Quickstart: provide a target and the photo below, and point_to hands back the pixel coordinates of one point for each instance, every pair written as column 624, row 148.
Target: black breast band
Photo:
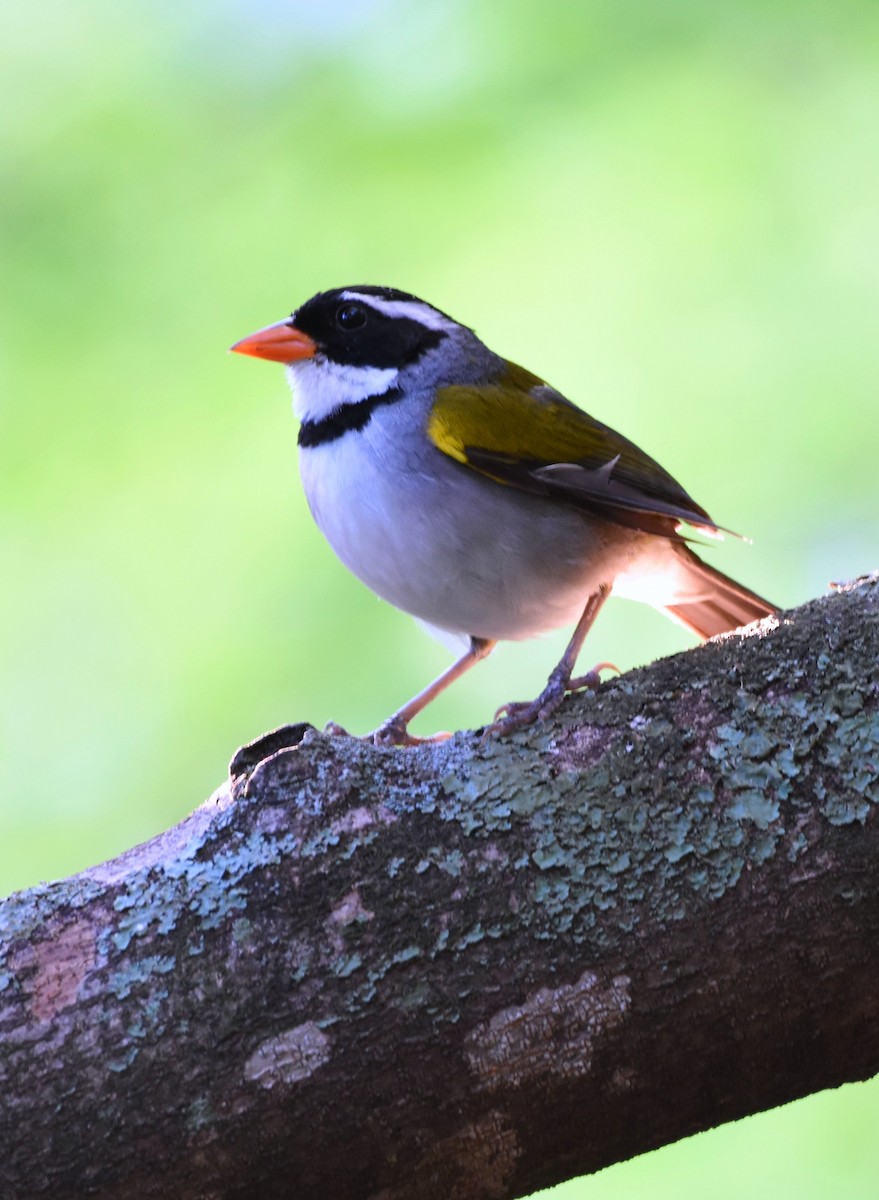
column 349, row 416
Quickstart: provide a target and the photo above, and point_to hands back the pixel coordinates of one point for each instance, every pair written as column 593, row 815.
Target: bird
column 466, row 491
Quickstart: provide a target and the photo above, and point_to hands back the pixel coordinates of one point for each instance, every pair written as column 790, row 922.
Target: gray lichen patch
column 554, row 1032
column 288, row 1057
column 209, row 888
column 133, row 972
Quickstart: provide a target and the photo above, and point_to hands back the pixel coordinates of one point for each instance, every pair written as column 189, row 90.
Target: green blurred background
column 670, row 210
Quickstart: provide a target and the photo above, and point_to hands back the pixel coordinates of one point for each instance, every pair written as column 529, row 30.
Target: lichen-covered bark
column 473, row 969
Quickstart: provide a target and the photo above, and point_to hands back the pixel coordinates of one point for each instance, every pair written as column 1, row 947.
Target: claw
column 518, row 714
column 592, row 678
column 510, row 709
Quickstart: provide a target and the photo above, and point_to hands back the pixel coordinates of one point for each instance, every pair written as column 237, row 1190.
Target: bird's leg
column 394, row 731
column 513, row 716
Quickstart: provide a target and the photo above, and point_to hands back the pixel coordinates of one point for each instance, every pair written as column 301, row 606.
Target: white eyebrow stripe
column 415, row 310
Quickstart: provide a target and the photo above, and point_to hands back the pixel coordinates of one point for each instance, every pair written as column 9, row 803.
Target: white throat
column 321, row 387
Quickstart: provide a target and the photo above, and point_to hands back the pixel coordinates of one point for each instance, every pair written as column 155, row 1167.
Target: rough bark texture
column 474, row 969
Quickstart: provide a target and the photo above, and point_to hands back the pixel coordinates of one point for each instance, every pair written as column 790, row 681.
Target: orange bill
column 281, row 342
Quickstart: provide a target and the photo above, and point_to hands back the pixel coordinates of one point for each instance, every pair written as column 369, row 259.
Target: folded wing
column 523, row 434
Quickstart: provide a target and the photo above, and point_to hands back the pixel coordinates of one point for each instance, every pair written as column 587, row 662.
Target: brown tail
column 712, row 602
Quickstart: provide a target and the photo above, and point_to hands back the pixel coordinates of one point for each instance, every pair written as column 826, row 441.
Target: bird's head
column 348, row 344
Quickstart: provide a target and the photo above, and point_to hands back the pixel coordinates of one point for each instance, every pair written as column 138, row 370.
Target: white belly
column 456, row 550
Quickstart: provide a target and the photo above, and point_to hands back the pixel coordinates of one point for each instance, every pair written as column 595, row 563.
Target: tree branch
column 474, row 969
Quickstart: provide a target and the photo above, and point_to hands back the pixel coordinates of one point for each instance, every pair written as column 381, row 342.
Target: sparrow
column 465, row 490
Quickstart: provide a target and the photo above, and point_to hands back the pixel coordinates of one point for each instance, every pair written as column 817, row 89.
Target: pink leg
column 394, row 732
column 513, row 716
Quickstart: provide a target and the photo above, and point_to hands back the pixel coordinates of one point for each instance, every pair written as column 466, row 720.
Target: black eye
column 350, row 316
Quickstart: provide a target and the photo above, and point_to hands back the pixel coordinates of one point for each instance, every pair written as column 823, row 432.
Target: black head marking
column 352, row 333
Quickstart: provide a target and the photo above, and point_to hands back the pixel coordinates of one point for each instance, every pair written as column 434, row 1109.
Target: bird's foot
column 394, row 733
column 517, row 714
column 592, row 679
